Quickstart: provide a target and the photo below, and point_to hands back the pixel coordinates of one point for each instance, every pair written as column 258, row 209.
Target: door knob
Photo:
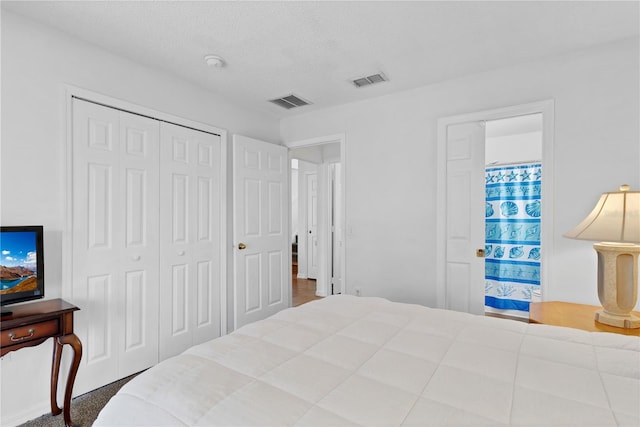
column 242, row 246
column 480, row 253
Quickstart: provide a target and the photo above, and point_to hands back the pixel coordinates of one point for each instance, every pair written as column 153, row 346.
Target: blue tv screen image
column 19, row 262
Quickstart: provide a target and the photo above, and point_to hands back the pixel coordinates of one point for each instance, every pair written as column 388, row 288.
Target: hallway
column 302, row 290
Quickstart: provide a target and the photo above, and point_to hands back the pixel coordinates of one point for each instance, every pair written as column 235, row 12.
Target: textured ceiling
column 313, row 48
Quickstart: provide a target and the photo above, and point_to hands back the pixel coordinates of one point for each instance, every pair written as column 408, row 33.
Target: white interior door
column 190, row 235
column 115, row 232
column 464, row 271
column 312, row 225
column 260, row 229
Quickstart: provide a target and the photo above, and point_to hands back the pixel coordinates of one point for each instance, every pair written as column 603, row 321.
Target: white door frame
column 70, row 92
column 546, row 107
column 326, row 266
column 335, row 241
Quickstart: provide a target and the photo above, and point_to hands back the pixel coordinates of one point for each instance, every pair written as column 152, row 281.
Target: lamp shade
column 616, row 218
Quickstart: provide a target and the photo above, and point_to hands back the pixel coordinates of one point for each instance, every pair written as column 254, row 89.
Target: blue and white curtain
column 512, row 235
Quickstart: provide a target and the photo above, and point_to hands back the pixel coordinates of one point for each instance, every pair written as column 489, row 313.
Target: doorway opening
column 304, row 191
column 513, row 206
column 462, row 205
column 317, row 213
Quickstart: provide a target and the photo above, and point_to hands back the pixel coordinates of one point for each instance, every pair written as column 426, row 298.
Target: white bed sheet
column 345, row 360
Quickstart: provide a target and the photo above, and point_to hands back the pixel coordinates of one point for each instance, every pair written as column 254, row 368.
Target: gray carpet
column 84, row 408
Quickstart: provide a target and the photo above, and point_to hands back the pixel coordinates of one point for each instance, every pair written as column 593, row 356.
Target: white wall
column 391, row 145
column 513, row 148
column 36, row 63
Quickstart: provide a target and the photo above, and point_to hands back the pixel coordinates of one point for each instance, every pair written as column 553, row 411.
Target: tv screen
column 21, row 264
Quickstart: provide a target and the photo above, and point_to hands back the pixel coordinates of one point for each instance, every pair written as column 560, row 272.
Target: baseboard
column 27, row 415
column 507, row 314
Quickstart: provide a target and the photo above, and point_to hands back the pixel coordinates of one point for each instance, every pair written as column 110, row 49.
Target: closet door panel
column 96, row 146
column 206, row 237
column 115, row 244
column 189, row 219
column 138, row 294
column 175, row 250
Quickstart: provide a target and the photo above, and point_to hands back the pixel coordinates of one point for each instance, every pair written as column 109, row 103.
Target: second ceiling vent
column 369, row 80
column 291, row 101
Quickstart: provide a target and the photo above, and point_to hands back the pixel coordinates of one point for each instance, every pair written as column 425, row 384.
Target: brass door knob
column 480, row 253
column 242, row 246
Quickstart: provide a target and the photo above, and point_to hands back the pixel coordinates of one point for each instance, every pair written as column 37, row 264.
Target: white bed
column 345, row 361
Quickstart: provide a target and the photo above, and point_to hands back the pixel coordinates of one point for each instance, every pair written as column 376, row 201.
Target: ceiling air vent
column 290, row 101
column 369, row 80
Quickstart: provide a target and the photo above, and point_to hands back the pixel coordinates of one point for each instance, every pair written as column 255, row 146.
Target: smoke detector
column 214, row 61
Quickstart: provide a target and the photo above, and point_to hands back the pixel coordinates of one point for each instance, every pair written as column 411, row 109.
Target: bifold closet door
column 190, row 204
column 115, row 242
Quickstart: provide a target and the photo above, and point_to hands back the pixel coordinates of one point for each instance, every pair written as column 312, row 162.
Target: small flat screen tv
column 21, row 264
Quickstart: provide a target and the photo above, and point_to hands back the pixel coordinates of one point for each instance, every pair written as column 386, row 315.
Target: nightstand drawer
column 29, row 332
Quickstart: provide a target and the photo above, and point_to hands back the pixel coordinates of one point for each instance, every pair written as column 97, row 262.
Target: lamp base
column 626, row 321
column 617, row 284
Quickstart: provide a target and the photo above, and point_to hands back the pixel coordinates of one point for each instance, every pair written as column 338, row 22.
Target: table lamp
column 615, row 224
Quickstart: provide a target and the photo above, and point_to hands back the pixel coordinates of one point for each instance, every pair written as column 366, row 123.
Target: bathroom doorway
column 513, row 205
column 461, row 205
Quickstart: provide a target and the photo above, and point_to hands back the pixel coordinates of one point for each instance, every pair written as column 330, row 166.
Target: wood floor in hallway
column 302, row 290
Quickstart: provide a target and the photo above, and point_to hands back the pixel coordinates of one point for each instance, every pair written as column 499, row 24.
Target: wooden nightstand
column 571, row 315
column 32, row 324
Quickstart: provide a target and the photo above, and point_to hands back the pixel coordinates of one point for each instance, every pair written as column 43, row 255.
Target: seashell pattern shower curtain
column 512, row 235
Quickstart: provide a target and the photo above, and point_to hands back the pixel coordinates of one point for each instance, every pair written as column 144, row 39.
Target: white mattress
column 345, row 361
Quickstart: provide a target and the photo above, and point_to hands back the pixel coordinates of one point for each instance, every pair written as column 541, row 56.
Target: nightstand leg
column 55, row 371
column 75, row 343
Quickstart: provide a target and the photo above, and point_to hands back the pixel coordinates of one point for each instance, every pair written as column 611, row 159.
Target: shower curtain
column 512, row 235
